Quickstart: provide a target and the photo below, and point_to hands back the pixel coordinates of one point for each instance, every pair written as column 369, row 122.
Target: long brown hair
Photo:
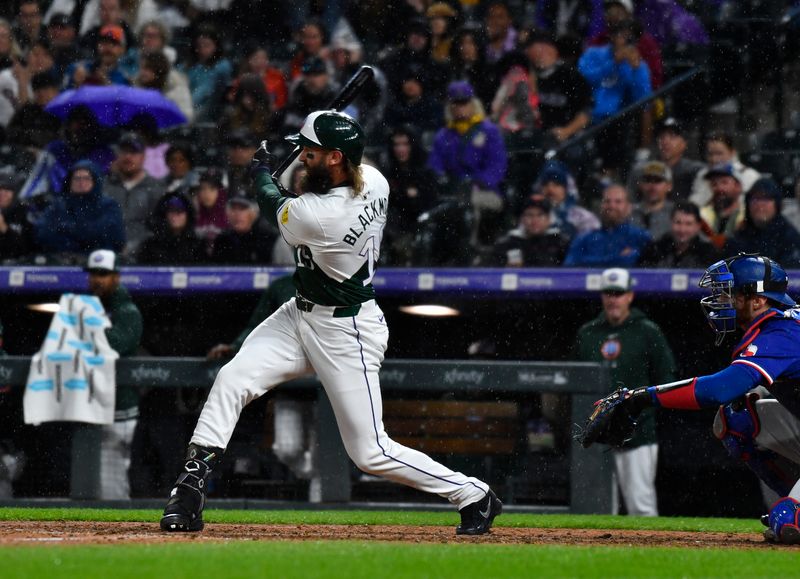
column 355, row 176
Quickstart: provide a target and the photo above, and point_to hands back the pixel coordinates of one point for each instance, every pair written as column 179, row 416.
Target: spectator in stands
column 15, row 82
column 764, row 230
column 242, row 144
column 468, row 62
column 469, row 155
column 654, row 210
column 28, row 27
column 9, row 49
column 312, row 45
column 153, row 37
column 311, row 91
column 413, row 189
column 242, row 242
column 413, row 58
column 124, row 336
column 720, row 149
column 209, row 74
column 565, row 98
column 155, row 146
column 618, row 242
column 83, row 138
column 369, row 107
column 98, row 14
column 104, row 68
column 441, row 20
column 723, row 215
column 671, row 148
column 32, row 126
column 210, row 200
column 256, row 61
column 636, row 352
column 62, row 34
column 173, row 241
column 415, row 106
column 81, row 219
column 155, row 72
column 136, row 192
column 559, row 188
column 618, row 77
column 560, row 17
column 682, row 246
column 621, row 11
column 500, row 32
column 515, row 106
column 250, row 110
column 180, row 162
column 15, row 229
column 533, row 243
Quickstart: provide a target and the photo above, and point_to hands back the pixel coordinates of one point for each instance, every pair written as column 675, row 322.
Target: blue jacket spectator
column 617, row 243
column 81, row 219
column 615, row 82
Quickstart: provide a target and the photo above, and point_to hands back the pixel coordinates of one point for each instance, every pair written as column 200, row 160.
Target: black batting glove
column 262, row 160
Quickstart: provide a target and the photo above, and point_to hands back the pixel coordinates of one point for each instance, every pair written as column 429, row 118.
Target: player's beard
column 316, row 179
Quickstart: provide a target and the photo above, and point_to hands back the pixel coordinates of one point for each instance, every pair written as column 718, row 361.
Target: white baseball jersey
column 337, row 239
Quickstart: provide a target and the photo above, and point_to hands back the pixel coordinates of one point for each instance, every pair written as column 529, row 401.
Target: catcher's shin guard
column 736, row 426
column 783, row 522
column 184, row 510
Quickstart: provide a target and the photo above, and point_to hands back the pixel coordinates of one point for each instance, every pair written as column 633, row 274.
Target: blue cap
column 460, row 91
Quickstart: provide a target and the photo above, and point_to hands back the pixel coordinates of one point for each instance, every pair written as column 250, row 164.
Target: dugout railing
column 590, row 474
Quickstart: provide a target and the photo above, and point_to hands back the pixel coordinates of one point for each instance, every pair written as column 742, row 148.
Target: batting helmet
column 332, row 130
column 748, row 274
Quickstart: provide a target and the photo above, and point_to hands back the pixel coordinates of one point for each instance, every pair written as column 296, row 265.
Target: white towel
column 73, row 375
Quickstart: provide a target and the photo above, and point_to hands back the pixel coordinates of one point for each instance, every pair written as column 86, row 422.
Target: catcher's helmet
column 749, row 274
column 332, row 130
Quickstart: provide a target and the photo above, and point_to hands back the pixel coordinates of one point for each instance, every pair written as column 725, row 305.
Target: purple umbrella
column 116, row 105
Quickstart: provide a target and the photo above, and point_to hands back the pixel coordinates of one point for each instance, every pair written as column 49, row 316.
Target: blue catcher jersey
column 771, row 346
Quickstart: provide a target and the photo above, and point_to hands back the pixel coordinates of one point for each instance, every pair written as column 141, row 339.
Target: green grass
column 356, row 560
column 376, row 560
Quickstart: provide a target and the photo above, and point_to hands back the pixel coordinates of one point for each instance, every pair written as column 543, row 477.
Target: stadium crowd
column 467, row 100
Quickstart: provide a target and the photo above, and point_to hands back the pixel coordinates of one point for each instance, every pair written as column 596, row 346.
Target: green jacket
column 124, row 337
column 278, row 293
column 637, row 354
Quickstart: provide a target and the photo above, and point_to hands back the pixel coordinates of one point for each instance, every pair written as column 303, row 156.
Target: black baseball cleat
column 765, row 520
column 477, row 518
column 184, row 510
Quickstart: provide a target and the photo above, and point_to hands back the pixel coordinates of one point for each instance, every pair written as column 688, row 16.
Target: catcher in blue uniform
column 747, row 292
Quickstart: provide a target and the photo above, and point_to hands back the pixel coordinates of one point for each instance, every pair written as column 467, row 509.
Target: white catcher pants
column 346, row 354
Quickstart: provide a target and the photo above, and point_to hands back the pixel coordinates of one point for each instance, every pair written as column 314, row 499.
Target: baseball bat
column 346, row 96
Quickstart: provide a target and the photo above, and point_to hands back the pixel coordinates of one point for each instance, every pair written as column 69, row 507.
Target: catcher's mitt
column 614, row 418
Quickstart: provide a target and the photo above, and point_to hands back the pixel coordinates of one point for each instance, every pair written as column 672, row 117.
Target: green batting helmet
column 332, row 130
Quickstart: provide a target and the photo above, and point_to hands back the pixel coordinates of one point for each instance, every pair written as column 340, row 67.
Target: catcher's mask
column 748, row 274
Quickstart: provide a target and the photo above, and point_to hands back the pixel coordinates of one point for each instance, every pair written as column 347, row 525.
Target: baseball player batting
column 332, row 327
column 748, row 291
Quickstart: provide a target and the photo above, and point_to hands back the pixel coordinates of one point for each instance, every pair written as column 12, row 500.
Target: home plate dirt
column 82, row 532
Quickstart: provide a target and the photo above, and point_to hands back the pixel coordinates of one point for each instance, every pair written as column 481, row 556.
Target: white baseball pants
column 636, row 476
column 115, row 459
column 346, row 353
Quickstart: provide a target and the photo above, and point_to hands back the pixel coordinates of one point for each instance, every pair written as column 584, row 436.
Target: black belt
column 338, row 312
